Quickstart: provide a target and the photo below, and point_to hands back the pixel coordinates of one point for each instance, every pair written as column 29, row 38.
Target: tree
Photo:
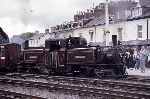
column 27, row 35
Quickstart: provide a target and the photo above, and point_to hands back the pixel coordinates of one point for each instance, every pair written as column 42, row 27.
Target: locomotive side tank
column 35, row 60
column 81, row 56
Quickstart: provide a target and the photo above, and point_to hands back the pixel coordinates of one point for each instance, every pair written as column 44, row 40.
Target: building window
column 80, row 35
column 140, row 11
column 31, row 42
column 120, row 33
column 118, row 15
column 104, row 36
column 128, row 13
column 139, row 31
column 91, row 32
column 136, row 12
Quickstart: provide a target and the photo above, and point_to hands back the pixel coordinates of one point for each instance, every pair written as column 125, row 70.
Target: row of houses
column 129, row 20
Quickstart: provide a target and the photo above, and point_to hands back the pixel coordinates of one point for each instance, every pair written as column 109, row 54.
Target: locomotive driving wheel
column 98, row 73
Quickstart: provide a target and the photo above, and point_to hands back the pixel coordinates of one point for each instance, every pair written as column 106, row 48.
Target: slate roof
column 96, row 21
column 145, row 3
column 123, row 4
column 115, row 6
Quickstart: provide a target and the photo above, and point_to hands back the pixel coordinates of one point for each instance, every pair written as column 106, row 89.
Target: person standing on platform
column 127, row 54
column 131, row 58
column 143, row 56
column 137, row 58
column 148, row 58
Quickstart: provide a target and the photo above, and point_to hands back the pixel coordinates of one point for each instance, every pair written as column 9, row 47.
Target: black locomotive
column 71, row 57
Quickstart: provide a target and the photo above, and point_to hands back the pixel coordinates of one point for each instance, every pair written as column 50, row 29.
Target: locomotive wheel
column 44, row 70
column 98, row 73
column 83, row 72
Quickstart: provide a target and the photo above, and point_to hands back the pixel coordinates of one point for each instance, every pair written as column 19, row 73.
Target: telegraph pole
column 107, row 32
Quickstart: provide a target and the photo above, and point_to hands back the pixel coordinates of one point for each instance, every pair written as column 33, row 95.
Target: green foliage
column 27, row 35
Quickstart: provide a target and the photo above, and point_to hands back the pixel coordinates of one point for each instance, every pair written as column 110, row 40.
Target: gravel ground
column 138, row 72
column 44, row 93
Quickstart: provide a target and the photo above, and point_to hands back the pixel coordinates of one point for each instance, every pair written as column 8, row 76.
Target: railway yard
column 33, row 86
column 83, row 72
column 103, row 53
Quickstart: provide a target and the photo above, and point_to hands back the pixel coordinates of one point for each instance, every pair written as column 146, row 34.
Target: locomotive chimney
column 46, row 30
column 114, row 40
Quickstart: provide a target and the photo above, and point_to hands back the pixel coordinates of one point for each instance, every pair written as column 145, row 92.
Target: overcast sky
column 19, row 16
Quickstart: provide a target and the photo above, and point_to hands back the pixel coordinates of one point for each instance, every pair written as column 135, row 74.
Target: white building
column 39, row 39
column 136, row 29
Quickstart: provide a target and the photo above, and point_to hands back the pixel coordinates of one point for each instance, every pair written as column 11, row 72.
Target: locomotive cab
column 54, row 44
column 76, row 42
column 110, row 62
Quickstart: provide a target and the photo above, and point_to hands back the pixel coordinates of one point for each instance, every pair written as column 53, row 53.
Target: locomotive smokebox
column 114, row 40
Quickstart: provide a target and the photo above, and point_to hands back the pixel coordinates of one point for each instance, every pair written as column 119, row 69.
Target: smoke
column 25, row 11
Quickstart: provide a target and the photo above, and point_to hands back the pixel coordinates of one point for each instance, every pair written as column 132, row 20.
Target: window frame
column 91, row 33
column 139, row 31
column 120, row 33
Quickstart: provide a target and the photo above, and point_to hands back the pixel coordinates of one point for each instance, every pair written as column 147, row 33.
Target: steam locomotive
column 71, row 57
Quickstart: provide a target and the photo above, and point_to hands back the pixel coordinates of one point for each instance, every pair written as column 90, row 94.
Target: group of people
column 138, row 58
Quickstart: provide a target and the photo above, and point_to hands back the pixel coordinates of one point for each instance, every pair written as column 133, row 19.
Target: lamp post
column 107, row 32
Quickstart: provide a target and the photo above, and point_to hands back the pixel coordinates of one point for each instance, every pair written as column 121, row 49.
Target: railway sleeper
column 91, row 88
column 14, row 95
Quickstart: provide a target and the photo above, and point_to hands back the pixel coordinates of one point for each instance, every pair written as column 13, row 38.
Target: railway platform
column 138, row 72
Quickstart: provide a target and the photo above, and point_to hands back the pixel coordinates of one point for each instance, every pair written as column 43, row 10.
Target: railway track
column 98, row 91
column 135, row 78
column 139, row 79
column 14, row 95
column 117, row 89
column 130, row 84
